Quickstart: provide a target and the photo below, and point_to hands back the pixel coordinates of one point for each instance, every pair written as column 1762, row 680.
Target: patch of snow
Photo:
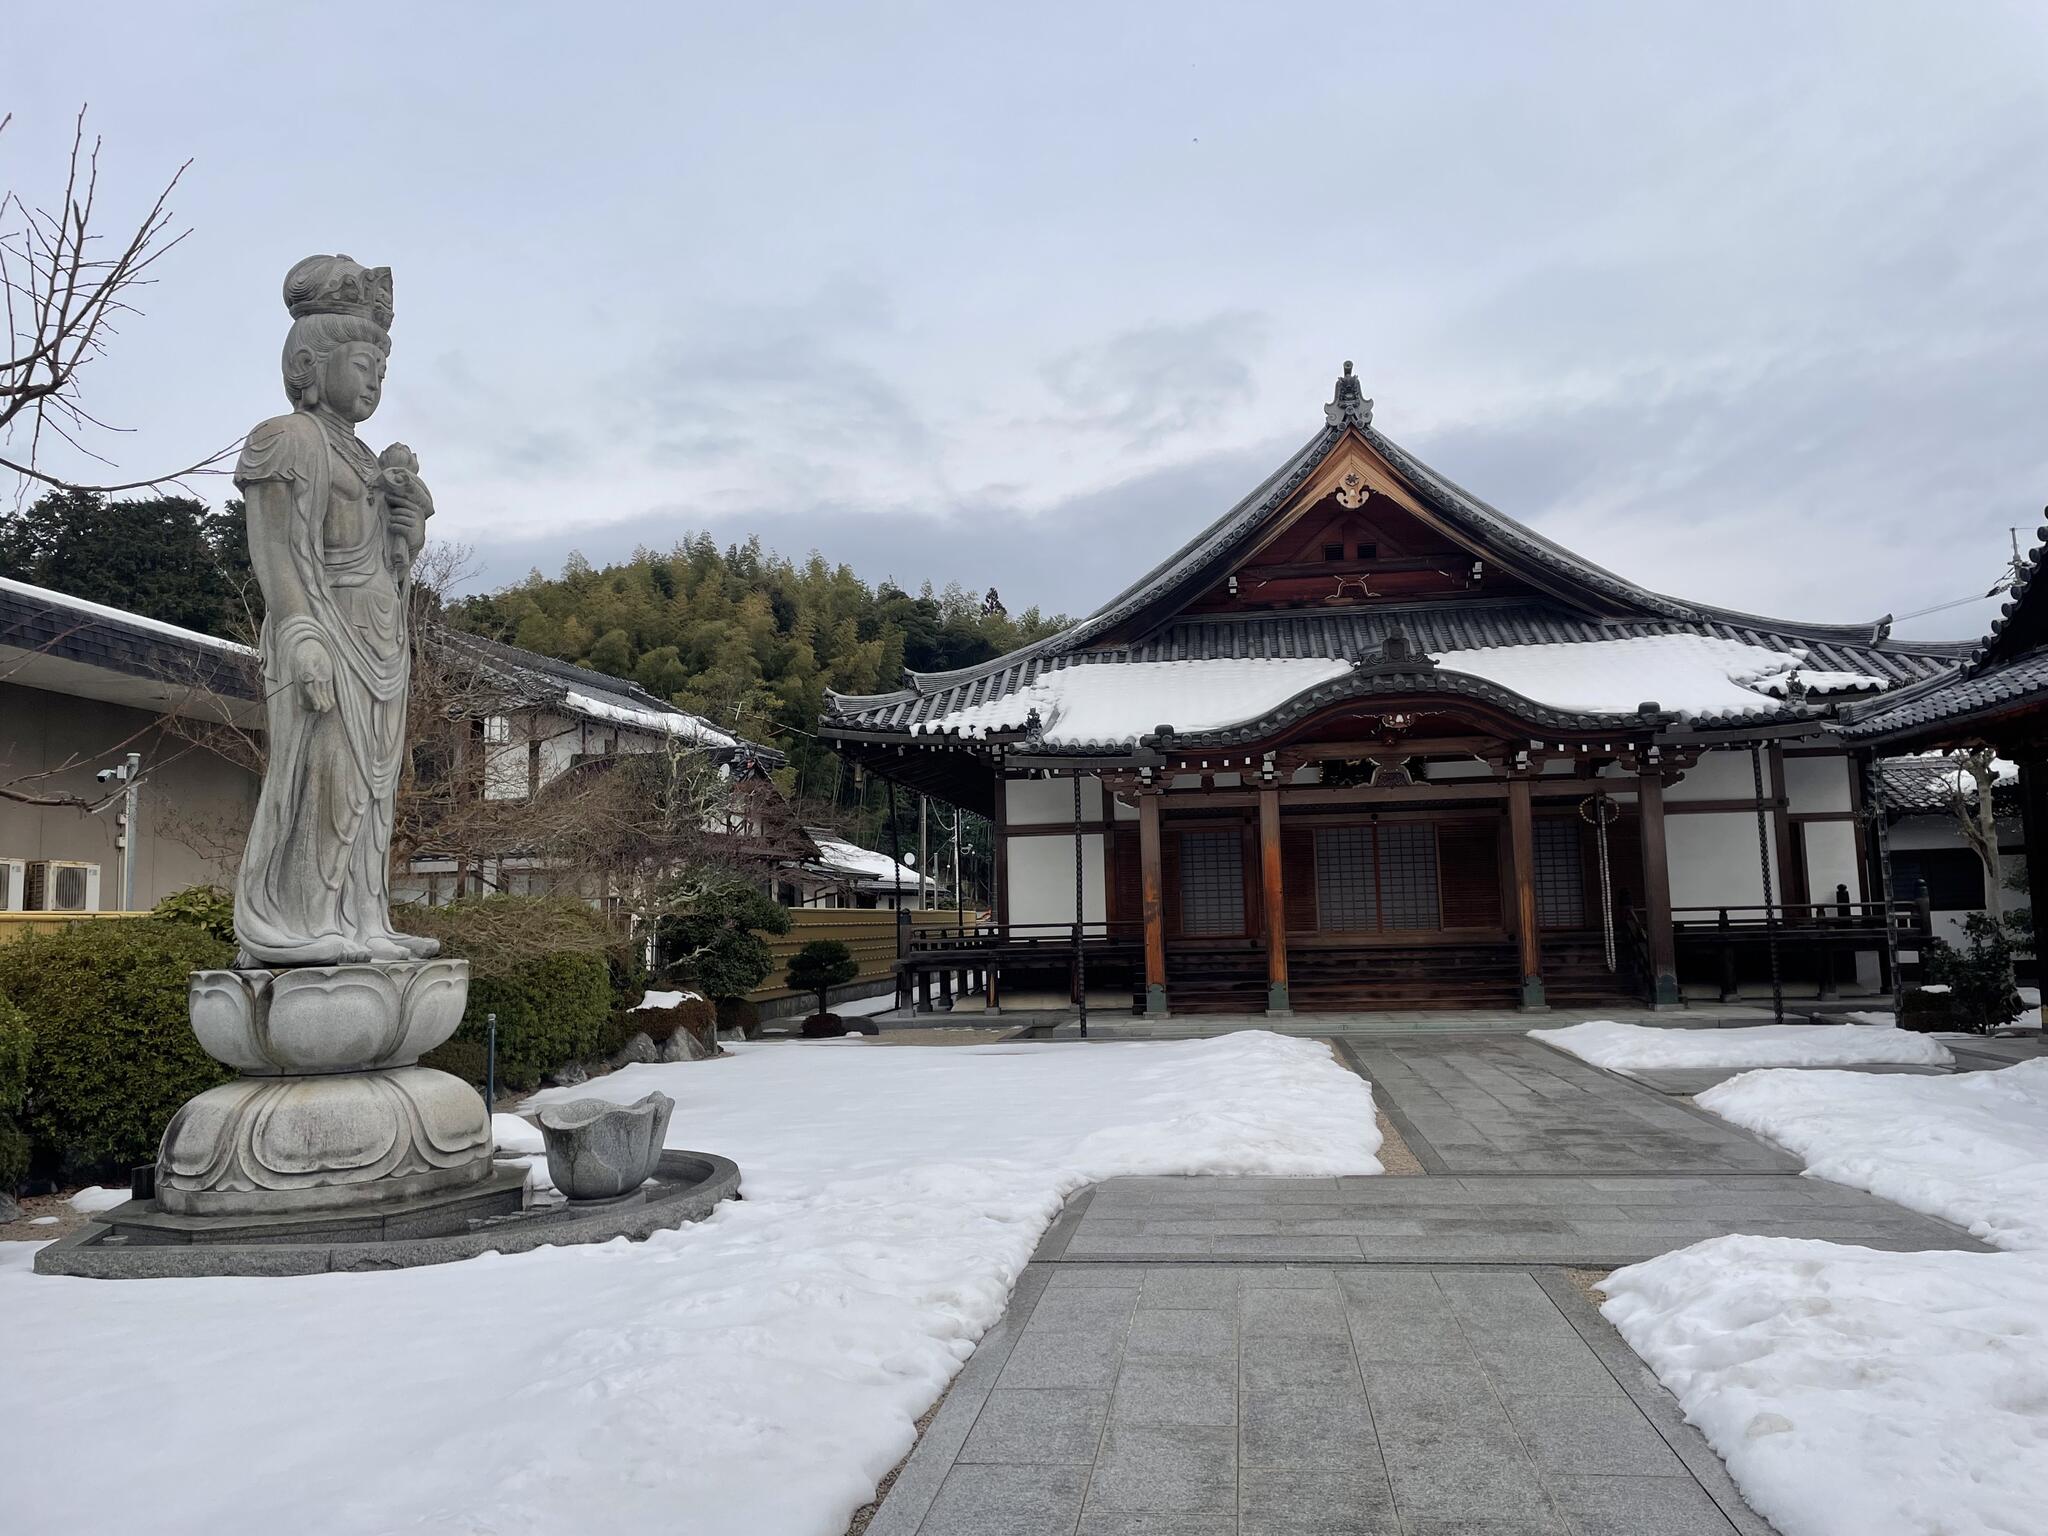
column 1698, row 676
column 1935, row 986
column 1971, row 1148
column 1647, row 1048
column 1121, row 701
column 97, row 1197
column 42, row 1221
column 847, row 858
column 517, row 1136
column 662, row 722
column 667, row 1000
column 756, row 1372
column 1823, row 682
column 1853, row 1392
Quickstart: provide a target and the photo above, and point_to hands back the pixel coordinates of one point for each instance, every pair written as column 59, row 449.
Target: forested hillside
column 748, row 638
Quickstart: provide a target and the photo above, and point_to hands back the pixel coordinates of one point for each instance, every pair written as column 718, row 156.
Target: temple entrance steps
column 1346, row 978
column 1575, row 973
column 1352, row 978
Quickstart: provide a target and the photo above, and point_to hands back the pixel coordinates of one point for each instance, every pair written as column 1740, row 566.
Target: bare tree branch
column 65, row 288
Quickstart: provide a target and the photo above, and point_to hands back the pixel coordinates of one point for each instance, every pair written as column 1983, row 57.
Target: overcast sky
column 1748, row 302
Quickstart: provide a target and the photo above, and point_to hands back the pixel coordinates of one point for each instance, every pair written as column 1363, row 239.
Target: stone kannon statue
column 328, row 1008
column 333, row 532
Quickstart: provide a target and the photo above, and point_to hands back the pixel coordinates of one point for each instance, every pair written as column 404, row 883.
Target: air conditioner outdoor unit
column 62, row 885
column 13, row 880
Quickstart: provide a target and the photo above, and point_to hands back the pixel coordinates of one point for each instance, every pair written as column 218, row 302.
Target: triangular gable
column 1358, row 532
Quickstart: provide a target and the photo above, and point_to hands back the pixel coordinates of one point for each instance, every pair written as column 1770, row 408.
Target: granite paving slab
column 1596, row 1219
column 1500, row 1104
column 1308, row 1400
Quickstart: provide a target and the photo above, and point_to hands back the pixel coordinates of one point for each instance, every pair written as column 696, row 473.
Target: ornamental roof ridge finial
column 1348, row 406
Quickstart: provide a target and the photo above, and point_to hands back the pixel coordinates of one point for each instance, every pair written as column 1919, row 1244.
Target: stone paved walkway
column 1427, row 1368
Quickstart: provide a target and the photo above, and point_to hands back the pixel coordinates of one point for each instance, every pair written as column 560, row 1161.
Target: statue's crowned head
column 340, row 336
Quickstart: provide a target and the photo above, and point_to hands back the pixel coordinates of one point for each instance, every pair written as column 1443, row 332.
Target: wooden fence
column 14, row 924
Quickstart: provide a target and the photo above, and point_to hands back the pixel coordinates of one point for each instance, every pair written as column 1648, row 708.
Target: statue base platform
column 268, row 1146
column 332, row 1111
column 140, row 1240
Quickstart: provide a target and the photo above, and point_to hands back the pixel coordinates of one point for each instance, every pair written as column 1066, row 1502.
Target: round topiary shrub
column 113, row 1055
column 817, row 968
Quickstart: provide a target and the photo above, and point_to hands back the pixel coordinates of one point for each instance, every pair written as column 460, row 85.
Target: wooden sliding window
column 1211, row 884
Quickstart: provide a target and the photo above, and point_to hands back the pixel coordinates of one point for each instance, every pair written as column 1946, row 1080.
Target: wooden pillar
column 1657, row 894
column 2034, row 833
column 1154, row 897
column 1274, row 899
column 1791, row 877
column 1522, row 840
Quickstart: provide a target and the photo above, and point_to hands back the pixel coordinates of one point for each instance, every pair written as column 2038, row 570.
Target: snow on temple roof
column 863, row 865
column 1699, row 677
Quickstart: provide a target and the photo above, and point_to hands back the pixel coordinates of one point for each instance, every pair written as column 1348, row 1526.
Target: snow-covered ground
column 1648, row 1048
column 755, row 1373
column 1971, row 1148
column 1859, row 1393
column 1852, row 1392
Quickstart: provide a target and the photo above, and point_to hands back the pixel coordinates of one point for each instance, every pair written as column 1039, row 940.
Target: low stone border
column 687, row 1186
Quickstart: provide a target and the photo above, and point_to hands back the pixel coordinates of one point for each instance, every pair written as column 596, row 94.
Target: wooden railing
column 1823, row 932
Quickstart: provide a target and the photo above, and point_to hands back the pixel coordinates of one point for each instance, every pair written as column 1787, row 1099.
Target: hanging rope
column 1763, row 855
column 1599, row 811
column 1080, row 909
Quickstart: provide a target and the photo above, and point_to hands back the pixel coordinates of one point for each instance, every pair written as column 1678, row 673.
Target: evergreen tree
column 166, row 557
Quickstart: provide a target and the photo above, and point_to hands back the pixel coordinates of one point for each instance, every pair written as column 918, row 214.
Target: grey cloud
column 1158, row 382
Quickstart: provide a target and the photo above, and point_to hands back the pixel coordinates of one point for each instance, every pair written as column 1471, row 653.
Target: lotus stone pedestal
column 332, row 1112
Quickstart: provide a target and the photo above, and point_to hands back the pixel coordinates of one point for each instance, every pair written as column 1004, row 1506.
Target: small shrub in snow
column 820, row 966
column 113, row 1054
column 1978, row 977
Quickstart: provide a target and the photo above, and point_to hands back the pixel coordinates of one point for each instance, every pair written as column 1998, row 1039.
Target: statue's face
column 352, row 380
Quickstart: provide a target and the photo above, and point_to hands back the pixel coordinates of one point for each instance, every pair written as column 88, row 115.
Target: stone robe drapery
column 314, row 884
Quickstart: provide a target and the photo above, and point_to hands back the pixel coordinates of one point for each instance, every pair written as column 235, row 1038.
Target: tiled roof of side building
column 1954, row 701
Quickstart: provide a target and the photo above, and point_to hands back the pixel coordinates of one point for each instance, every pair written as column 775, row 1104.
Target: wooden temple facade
column 1368, row 742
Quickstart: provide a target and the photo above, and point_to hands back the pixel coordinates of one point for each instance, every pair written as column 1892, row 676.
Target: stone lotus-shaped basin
column 598, row 1150
column 327, row 1018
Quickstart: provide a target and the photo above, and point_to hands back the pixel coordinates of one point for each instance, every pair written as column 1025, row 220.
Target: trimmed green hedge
column 15, row 1051
column 113, row 1054
column 543, row 966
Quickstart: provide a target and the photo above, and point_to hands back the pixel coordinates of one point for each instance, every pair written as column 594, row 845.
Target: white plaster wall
column 1042, row 802
column 1713, row 860
column 1720, row 775
column 1817, row 784
column 1041, row 878
column 1830, row 857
